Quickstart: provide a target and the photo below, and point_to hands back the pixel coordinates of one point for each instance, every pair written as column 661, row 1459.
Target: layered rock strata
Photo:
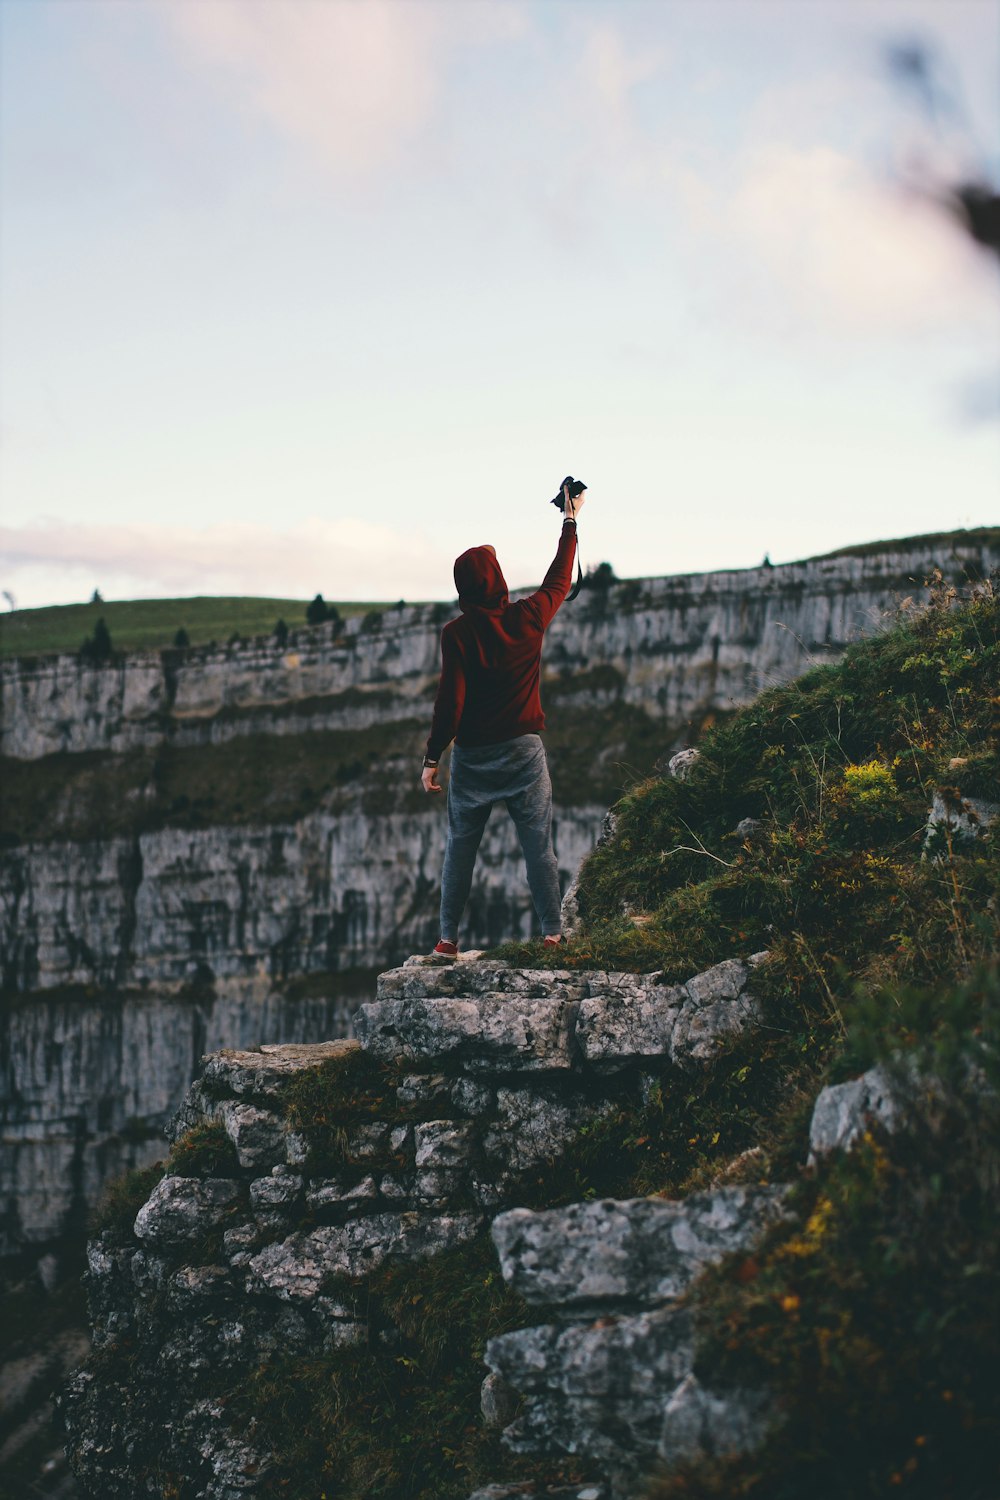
column 325, row 893
column 196, row 882
column 220, row 1273
column 495, row 1074
column 682, row 644
column 609, row 1376
column 89, row 1082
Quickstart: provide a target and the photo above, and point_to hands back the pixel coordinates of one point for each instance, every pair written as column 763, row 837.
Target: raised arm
column 556, row 584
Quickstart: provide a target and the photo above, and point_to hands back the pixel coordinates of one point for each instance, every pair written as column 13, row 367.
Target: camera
column 576, row 489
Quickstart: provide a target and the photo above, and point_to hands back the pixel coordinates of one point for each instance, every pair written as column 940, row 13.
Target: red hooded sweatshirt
column 491, row 655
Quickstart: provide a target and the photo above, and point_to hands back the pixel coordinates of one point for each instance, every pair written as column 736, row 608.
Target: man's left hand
column 429, row 781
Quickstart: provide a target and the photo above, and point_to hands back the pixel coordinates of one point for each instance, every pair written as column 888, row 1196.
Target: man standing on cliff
column 488, row 702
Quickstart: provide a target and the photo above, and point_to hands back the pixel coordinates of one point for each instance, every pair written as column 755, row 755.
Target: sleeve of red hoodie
column 544, row 602
column 450, row 698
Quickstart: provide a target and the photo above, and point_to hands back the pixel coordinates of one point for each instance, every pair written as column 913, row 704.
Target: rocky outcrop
column 609, row 1377
column 496, row 1019
column 491, row 1082
column 597, row 1258
column 614, row 1376
column 620, row 1393
column 486, row 1076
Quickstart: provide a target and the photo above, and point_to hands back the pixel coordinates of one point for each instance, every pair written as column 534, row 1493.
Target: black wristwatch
column 430, row 765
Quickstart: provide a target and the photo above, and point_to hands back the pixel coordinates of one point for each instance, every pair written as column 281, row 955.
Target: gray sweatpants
column 515, row 772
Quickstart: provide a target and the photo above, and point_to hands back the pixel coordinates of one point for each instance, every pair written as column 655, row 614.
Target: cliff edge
column 610, row 1228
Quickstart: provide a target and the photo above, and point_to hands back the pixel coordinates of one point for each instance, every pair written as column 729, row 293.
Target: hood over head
column 479, row 581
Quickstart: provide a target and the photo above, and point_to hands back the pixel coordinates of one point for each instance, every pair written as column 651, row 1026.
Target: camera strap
column 578, row 585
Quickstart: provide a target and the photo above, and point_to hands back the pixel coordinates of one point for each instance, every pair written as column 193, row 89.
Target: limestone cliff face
column 158, row 851
column 684, row 644
column 328, row 892
column 87, row 1084
column 205, row 828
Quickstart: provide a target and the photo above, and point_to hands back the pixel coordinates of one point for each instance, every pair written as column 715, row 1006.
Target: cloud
column 606, row 75
column 581, row 145
column 342, row 559
column 839, row 248
column 352, row 79
column 791, row 229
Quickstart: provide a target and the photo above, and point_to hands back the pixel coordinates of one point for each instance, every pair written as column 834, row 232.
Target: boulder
column 257, row 1134
column 297, row 1267
column 844, row 1111
column 263, row 1073
column 278, row 1190
column 498, row 1402
column 962, row 819
column 634, row 1019
column 443, row 1143
column 597, row 1390
column 639, row 1250
column 683, row 763
column 182, row 1210
column 488, row 1033
column 340, row 1194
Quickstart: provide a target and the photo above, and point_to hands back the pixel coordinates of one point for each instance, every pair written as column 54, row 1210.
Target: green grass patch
column 839, row 769
column 152, row 624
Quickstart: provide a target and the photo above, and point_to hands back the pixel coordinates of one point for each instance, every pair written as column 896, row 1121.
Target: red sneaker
column 554, row 940
column 446, row 950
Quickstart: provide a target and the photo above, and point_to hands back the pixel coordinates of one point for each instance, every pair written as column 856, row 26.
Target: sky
column 305, row 296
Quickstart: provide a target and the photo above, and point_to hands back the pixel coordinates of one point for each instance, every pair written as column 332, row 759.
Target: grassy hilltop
column 872, row 1315
column 152, row 624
